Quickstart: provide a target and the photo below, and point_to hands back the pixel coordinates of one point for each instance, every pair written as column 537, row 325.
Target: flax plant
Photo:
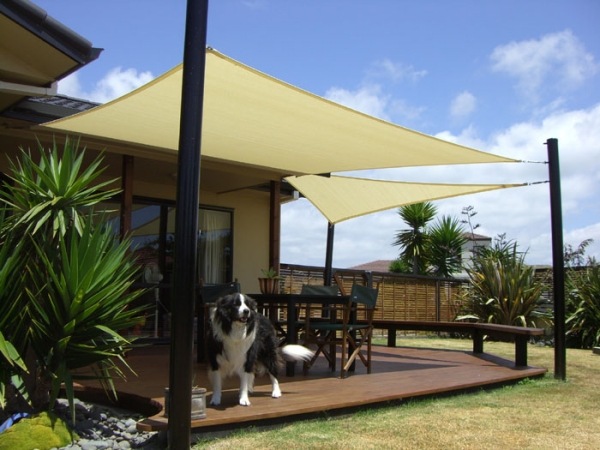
column 503, row 288
column 583, row 306
column 73, row 297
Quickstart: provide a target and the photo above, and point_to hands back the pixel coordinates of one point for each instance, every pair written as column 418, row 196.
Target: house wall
column 470, row 246
column 9, row 146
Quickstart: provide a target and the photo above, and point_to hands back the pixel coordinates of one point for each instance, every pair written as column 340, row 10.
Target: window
column 153, row 238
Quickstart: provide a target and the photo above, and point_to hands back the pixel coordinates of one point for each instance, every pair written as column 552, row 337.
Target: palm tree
column 413, row 241
column 445, row 243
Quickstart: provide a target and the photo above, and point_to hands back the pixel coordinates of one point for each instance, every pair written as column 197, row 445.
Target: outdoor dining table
column 291, row 302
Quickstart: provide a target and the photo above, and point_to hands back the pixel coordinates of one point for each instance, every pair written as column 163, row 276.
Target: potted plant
column 198, row 410
column 269, row 282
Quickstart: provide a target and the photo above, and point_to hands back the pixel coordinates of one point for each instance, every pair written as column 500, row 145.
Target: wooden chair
column 316, row 289
column 307, row 289
column 359, row 330
column 320, row 313
column 209, row 294
column 346, row 279
column 352, row 333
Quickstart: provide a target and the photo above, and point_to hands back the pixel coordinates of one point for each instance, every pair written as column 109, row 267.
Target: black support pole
column 186, row 226
column 328, row 274
column 558, row 265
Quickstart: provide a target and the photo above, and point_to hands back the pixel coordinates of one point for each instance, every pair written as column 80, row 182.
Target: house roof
column 476, row 237
column 36, row 52
column 380, row 265
column 42, row 109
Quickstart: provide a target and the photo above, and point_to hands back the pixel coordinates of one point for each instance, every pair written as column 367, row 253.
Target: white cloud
column 576, row 236
column 394, row 71
column 304, row 230
column 463, row 105
column 557, row 60
column 114, row 84
column 405, row 111
column 371, row 99
column 367, row 99
column 71, row 87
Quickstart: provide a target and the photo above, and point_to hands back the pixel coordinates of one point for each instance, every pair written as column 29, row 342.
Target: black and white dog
column 242, row 341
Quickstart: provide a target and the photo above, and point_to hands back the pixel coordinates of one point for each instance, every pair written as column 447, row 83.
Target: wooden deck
column 398, row 374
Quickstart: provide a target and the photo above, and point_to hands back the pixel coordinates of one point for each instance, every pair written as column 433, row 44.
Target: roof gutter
column 39, row 23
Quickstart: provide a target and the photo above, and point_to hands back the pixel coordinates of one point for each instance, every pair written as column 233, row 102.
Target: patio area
column 399, row 374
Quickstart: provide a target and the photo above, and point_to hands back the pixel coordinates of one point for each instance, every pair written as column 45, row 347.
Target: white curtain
column 214, row 231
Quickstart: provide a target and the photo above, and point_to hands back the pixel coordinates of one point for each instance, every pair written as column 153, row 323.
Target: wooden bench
column 521, row 335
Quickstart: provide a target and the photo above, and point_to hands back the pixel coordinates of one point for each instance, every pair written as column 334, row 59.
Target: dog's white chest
column 235, row 347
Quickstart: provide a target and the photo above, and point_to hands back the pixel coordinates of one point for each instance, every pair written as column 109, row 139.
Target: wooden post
column 275, row 225
column 126, row 195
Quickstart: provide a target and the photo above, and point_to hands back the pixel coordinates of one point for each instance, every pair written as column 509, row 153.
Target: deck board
column 398, row 374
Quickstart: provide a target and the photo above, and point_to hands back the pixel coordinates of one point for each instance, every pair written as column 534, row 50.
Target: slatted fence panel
column 401, row 296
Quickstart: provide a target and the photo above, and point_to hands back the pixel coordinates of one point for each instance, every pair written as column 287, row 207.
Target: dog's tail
column 296, row 353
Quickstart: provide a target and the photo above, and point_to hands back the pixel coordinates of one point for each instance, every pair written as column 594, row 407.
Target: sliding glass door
column 153, row 239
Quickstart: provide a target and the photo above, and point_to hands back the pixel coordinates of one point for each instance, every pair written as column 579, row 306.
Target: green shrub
column 583, row 307
column 503, row 288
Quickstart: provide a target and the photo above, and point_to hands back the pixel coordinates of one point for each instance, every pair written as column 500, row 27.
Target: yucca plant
column 583, row 306
column 80, row 302
column 73, row 296
column 12, row 365
column 52, row 195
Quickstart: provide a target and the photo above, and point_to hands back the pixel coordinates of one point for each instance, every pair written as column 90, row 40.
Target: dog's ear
column 250, row 302
column 224, row 300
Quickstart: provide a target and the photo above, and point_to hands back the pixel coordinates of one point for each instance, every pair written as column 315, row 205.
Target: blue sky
column 498, row 76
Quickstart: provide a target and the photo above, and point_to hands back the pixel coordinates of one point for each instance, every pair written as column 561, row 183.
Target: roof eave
column 39, row 23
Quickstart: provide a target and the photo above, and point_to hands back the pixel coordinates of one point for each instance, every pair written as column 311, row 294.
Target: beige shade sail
column 253, row 120
column 342, row 198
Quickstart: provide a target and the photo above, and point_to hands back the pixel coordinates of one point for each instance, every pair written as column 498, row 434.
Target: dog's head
column 235, row 308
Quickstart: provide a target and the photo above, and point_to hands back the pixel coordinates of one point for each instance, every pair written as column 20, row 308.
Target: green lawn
column 535, row 414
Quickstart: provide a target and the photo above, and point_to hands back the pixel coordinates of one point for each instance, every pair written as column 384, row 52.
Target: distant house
column 381, row 265
column 474, row 242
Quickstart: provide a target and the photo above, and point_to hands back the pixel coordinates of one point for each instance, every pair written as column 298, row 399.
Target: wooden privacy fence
column 401, row 296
